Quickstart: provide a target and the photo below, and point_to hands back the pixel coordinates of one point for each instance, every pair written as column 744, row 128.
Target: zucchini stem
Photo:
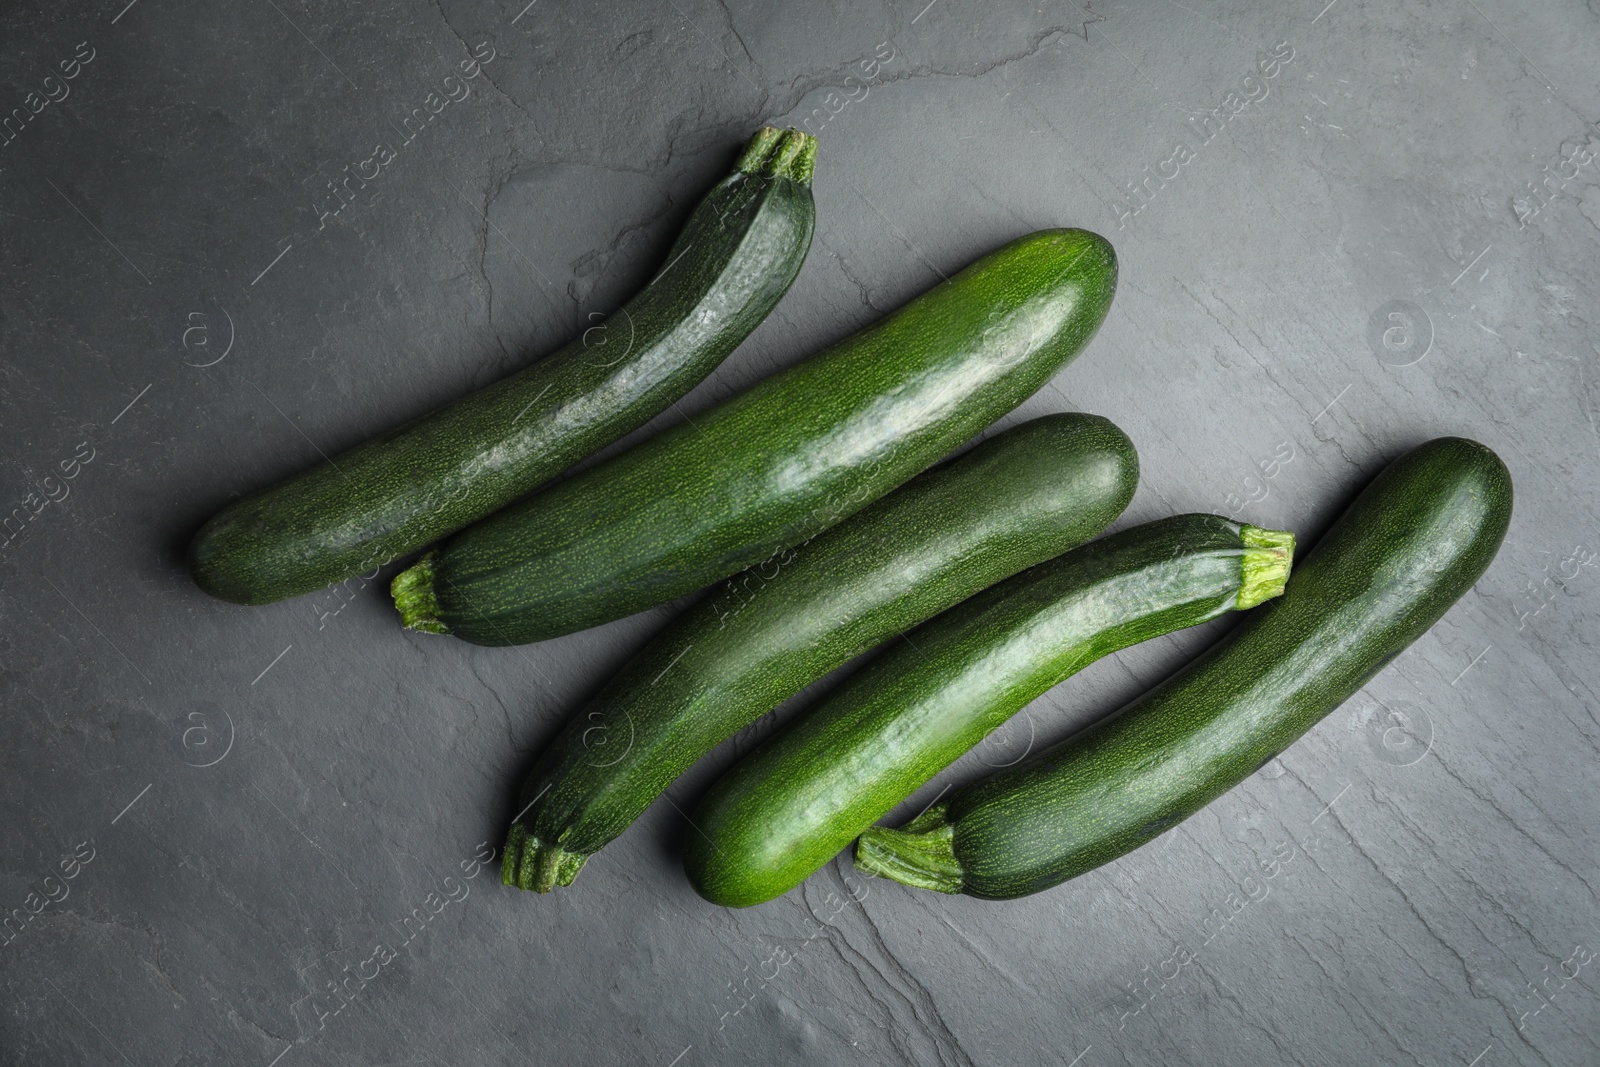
column 530, row 864
column 413, row 594
column 775, row 153
column 921, row 854
column 1267, row 557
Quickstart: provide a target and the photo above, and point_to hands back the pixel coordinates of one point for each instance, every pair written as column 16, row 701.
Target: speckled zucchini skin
column 737, row 255
column 790, row 806
column 768, row 468
column 1407, row 549
column 1018, row 498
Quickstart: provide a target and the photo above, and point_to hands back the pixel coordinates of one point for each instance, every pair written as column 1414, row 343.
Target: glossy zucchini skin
column 1408, row 548
column 765, row 469
column 1019, row 497
column 737, row 255
column 790, row 806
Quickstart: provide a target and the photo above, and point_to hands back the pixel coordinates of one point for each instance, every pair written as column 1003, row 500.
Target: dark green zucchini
column 739, row 251
column 791, row 805
column 776, row 464
column 1409, row 547
column 1018, row 498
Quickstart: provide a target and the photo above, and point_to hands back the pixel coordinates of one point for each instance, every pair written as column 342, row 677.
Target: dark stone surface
column 263, row 795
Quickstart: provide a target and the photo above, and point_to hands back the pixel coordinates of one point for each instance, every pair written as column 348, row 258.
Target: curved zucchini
column 791, row 805
column 738, row 253
column 776, row 464
column 1017, row 498
column 1409, row 547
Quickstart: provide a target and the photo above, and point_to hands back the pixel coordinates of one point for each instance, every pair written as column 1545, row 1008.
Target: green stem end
column 529, row 864
column 920, row 854
column 1268, row 555
column 414, row 598
column 775, row 153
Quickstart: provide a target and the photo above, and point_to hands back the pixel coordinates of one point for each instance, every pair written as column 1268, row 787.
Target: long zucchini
column 1014, row 500
column 1407, row 549
column 738, row 253
column 791, row 805
column 776, row 464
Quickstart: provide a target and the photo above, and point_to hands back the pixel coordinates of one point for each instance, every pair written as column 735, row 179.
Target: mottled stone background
column 1343, row 230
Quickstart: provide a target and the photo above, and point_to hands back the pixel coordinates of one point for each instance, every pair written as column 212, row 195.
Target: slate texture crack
column 608, row 251
column 499, row 701
column 513, row 101
column 916, row 1028
column 727, row 18
column 861, row 287
column 1373, row 1021
column 803, row 85
column 1540, row 846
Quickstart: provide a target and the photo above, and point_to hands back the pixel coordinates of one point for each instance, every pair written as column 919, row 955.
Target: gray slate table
column 252, row 836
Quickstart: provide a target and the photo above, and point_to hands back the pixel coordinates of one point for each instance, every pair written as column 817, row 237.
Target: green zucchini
column 1407, row 549
column 1014, row 500
column 791, row 805
column 776, row 464
column 739, row 251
